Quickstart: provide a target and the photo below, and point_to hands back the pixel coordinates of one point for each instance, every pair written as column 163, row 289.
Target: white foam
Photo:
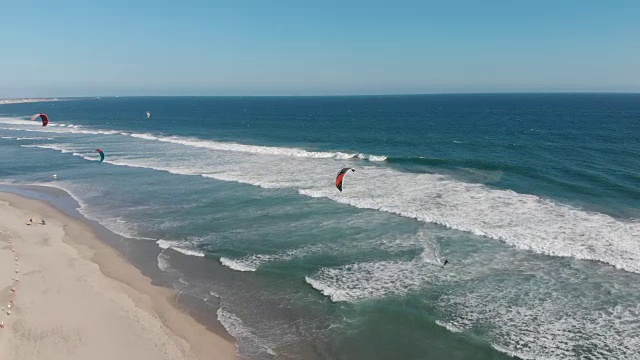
column 53, row 127
column 236, row 265
column 377, row 158
column 25, row 138
column 113, row 224
column 448, row 326
column 524, row 221
column 373, row 280
column 163, row 262
column 188, row 251
column 244, row 334
column 235, row 147
column 537, row 311
column 519, row 355
column 544, row 324
column 371, row 157
column 543, row 327
column 527, row 222
column 179, row 246
column 253, row 262
column 65, row 130
column 22, row 101
column 63, row 148
column 19, row 121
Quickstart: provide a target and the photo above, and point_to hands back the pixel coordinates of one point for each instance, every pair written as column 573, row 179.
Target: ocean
column 533, row 198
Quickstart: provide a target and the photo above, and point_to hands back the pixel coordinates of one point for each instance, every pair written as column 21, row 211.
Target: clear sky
column 320, row 47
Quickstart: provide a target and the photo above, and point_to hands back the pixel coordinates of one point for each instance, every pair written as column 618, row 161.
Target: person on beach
column 43, row 223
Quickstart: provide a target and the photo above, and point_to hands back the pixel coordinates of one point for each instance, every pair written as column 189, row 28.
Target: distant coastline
column 26, row 100
column 338, row 95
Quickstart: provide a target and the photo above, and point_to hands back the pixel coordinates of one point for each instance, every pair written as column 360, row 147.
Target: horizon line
column 337, row 95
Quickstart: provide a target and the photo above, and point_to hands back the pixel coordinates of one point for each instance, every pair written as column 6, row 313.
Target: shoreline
column 193, row 338
column 25, row 101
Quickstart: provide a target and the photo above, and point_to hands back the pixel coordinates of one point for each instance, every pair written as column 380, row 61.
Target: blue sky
column 236, row 47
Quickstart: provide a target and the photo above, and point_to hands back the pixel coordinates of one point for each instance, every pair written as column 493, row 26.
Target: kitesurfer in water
column 445, row 262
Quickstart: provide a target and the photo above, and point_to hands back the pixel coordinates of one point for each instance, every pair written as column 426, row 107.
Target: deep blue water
column 534, row 198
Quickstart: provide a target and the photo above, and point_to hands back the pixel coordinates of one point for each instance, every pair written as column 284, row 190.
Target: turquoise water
column 534, row 199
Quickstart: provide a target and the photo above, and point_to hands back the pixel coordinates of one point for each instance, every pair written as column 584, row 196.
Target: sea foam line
column 255, row 149
column 236, row 265
column 253, row 262
column 246, row 339
column 191, row 141
column 176, row 245
column 526, row 222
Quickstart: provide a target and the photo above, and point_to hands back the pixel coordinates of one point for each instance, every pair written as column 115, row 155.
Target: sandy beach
column 64, row 294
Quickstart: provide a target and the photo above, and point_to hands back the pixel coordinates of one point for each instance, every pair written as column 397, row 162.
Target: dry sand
column 78, row 298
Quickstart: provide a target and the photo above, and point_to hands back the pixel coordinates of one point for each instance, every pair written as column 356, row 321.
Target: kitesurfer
column 101, row 155
column 341, row 175
column 43, row 117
